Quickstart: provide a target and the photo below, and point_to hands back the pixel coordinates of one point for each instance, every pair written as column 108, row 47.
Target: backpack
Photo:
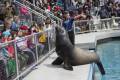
column 23, row 59
column 11, row 67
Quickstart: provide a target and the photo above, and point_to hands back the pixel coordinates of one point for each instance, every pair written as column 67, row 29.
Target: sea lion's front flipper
column 57, row 61
column 101, row 68
column 67, row 65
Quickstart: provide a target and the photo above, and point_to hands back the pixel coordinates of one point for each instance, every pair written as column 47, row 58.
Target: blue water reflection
column 110, row 55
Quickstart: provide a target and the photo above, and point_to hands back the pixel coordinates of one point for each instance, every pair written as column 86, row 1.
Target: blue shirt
column 14, row 25
column 67, row 24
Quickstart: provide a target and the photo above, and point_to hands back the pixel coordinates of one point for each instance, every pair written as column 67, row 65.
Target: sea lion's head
column 60, row 31
column 62, row 37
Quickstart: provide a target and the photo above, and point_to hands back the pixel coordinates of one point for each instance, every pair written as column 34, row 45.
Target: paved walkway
column 46, row 71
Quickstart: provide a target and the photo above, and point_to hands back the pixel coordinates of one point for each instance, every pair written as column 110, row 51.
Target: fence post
column 16, row 59
column 34, row 2
column 36, row 46
column 14, row 0
column 74, row 28
column 31, row 16
column 61, row 23
column 48, row 40
column 91, row 25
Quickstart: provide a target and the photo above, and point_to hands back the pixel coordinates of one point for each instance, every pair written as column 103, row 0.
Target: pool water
column 110, row 56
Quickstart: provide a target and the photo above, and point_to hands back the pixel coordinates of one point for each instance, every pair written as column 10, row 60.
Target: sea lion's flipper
column 101, row 68
column 57, row 61
column 67, row 65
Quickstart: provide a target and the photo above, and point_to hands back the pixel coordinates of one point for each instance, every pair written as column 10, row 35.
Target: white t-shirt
column 21, row 42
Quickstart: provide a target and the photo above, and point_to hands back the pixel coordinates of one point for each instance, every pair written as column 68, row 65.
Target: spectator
column 8, row 11
column 22, row 44
column 104, row 13
column 118, row 10
column 34, row 28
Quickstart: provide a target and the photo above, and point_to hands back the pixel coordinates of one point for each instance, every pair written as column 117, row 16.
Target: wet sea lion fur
column 73, row 56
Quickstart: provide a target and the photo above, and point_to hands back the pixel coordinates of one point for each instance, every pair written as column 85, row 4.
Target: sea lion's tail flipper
column 57, row 61
column 101, row 68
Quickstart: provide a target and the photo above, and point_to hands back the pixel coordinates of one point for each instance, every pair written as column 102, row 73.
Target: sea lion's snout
column 59, row 30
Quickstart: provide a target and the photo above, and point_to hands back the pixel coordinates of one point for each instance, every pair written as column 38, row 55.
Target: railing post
column 48, row 40
column 90, row 23
column 34, row 2
column 16, row 59
column 61, row 23
column 14, row 0
column 74, row 28
column 36, row 46
column 31, row 17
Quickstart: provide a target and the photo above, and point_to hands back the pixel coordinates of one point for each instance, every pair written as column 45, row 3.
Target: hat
column 23, row 27
column 6, row 33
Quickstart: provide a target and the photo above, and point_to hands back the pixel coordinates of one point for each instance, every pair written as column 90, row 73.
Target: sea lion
column 73, row 56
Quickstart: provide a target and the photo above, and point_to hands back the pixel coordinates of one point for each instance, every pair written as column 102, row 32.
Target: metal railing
column 39, row 10
column 25, row 58
column 20, row 60
column 94, row 25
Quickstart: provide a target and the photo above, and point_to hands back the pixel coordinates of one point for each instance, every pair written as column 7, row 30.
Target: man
column 68, row 24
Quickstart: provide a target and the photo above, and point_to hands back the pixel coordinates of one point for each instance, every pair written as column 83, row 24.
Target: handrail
column 98, row 19
column 93, row 25
column 23, row 37
column 16, row 54
column 33, row 36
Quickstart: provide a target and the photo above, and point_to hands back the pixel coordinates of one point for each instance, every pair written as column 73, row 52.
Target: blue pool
column 109, row 53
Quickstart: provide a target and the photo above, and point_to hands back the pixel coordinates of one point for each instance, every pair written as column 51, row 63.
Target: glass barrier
column 26, row 52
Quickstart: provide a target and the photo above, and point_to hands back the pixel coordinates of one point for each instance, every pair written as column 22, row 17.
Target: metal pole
column 36, row 46
column 48, row 41
column 14, row 0
column 34, row 2
column 31, row 17
column 16, row 59
column 89, row 22
column 74, row 28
